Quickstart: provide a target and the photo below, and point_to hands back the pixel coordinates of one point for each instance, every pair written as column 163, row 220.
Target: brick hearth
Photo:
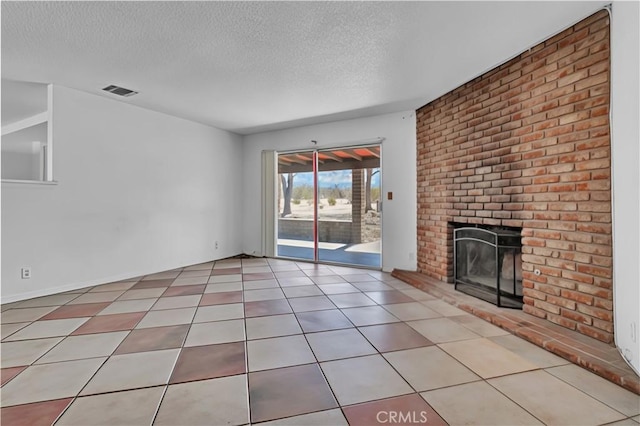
column 527, row 145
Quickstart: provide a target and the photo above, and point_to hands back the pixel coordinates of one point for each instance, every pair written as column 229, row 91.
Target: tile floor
column 281, row 343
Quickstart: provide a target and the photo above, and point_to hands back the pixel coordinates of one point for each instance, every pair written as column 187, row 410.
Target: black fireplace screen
column 488, row 265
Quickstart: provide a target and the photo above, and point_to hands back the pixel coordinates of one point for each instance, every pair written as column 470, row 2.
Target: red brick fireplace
column 527, row 145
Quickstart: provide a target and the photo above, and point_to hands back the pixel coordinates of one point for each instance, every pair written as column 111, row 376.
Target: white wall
column 21, row 152
column 399, row 219
column 625, row 137
column 20, row 165
column 138, row 192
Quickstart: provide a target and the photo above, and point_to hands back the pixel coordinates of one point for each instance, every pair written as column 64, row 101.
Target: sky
column 341, row 178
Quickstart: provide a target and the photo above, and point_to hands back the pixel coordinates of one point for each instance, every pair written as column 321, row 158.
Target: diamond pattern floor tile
column 553, row 401
column 614, row 396
column 209, row 362
column 84, row 346
column 107, row 323
column 337, row 344
column 440, row 330
column 185, row 290
column 388, row 297
column 128, row 306
column 320, row 418
column 219, row 312
column 223, row 287
column 272, row 326
column 49, row 328
column 53, row 300
column 76, row 311
column 328, row 279
column 167, row 317
column 9, row 373
column 313, row 303
column 226, row 271
column 411, row 311
column 529, row 351
column 277, row 342
column 131, row 371
column 35, row 414
column 260, row 284
column 338, row 288
column 351, row 300
column 288, row 392
column 487, row 359
column 149, row 339
column 143, row 293
column 211, row 333
column 368, row 378
column 49, row 381
column 9, row 329
column 478, row 403
column 153, row 284
column 134, row 407
column 479, row 326
column 323, row 320
column 118, row 286
column 25, row 352
column 221, row 298
column 278, row 352
column 25, row 315
column 266, row 307
column 394, row 337
column 429, row 368
column 263, row 294
column 184, row 404
column 369, row 315
column 294, row 282
column 177, row 302
column 106, row 296
column 302, row 291
column 405, row 410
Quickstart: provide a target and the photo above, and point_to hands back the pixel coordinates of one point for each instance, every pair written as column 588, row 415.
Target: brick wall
column 527, row 145
column 335, row 231
column 358, row 203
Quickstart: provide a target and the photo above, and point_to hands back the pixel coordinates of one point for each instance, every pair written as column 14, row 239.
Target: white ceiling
column 256, row 66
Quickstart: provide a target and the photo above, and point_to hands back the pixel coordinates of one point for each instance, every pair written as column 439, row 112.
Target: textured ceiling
column 254, row 66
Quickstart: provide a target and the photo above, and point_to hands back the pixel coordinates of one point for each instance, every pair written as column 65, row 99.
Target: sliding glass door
column 329, row 206
column 296, row 205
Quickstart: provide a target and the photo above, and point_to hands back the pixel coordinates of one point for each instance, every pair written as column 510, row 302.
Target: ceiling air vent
column 120, row 91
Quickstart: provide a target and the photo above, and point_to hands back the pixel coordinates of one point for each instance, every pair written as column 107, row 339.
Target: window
column 26, row 132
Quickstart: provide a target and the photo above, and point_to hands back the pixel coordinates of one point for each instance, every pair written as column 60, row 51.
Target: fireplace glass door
column 488, row 265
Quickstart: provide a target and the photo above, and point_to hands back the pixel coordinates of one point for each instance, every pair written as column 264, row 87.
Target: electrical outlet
column 25, row 273
column 216, row 245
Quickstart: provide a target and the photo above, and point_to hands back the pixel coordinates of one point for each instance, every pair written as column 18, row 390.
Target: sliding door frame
column 363, row 144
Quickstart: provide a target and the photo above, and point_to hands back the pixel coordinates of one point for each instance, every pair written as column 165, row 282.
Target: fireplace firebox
column 488, row 264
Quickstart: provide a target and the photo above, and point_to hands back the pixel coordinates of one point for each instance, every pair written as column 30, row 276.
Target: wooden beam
column 304, row 157
column 367, row 163
column 352, row 154
column 373, row 152
column 332, row 156
column 292, row 160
